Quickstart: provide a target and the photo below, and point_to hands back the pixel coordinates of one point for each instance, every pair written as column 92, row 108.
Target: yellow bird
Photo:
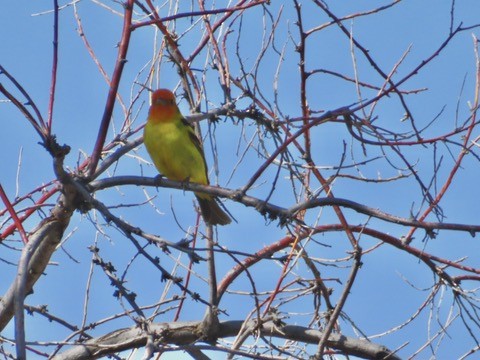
column 177, row 153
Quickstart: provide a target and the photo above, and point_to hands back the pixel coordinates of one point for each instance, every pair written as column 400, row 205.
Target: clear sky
column 391, row 285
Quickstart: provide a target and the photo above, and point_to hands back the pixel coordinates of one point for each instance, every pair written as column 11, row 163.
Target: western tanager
column 177, row 153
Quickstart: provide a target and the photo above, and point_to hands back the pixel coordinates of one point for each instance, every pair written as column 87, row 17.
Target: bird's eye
column 163, row 102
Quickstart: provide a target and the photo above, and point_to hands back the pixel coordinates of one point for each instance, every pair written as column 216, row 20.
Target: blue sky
column 391, row 285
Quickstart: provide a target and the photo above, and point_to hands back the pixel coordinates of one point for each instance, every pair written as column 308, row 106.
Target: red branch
column 54, row 68
column 268, row 251
column 9, row 230
column 112, row 93
column 13, row 214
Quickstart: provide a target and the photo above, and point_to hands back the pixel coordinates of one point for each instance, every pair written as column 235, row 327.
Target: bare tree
column 351, row 180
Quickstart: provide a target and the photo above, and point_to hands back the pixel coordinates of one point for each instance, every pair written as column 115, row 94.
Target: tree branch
column 47, row 236
column 186, row 333
column 277, row 211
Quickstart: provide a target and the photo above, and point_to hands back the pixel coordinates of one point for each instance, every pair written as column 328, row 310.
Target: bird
column 177, row 152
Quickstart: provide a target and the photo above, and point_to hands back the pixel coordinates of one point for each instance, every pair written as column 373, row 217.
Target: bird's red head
column 163, row 108
column 163, row 97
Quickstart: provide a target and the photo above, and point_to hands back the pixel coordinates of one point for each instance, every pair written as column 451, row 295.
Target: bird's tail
column 211, row 211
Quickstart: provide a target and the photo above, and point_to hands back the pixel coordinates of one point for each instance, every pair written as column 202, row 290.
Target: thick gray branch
column 187, row 333
column 42, row 244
